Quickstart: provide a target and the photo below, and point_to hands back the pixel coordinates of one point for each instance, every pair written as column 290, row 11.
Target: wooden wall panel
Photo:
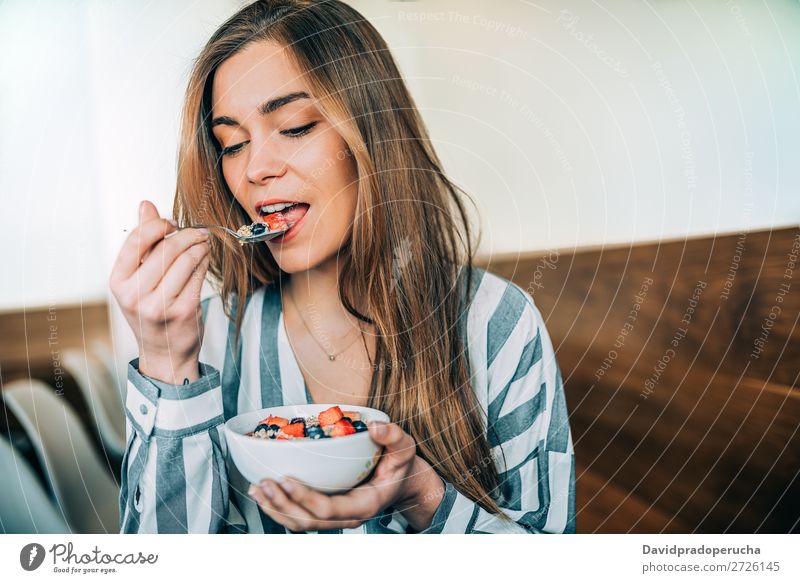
column 691, row 403
column 31, row 340
column 709, row 443
column 31, row 343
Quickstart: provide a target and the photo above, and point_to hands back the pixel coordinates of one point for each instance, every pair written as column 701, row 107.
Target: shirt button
column 143, row 409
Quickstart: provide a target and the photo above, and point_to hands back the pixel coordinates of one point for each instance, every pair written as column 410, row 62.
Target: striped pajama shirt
column 176, row 476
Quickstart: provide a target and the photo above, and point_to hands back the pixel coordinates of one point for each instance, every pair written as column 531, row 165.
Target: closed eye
column 234, row 149
column 291, row 132
column 299, row 131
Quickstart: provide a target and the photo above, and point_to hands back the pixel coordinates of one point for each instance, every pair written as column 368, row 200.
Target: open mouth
column 283, row 215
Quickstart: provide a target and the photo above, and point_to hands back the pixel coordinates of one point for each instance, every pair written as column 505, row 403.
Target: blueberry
column 297, row 420
column 258, row 228
column 359, row 426
column 274, row 427
column 260, row 427
column 315, row 432
column 347, row 419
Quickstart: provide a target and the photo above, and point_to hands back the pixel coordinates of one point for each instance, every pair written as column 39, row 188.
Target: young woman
column 369, row 299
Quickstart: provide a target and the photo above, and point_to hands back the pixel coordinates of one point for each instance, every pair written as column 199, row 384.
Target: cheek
column 339, row 184
column 347, row 197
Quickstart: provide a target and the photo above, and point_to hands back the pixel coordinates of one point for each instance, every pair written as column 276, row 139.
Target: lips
column 275, row 204
column 294, row 219
column 291, row 210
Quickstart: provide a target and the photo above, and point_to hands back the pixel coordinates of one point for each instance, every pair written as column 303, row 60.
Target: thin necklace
column 331, row 355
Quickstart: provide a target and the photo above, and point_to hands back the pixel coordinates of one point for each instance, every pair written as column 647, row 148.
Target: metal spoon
column 260, row 236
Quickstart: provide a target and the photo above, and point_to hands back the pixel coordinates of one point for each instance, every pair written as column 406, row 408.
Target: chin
column 299, row 259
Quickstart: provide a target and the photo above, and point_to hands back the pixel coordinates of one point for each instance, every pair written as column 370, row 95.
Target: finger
column 257, row 494
column 399, row 447
column 138, row 244
column 356, row 505
column 149, row 212
column 163, row 255
column 190, row 296
column 291, row 515
column 386, row 434
column 180, row 273
column 316, row 503
column 304, row 519
column 399, row 444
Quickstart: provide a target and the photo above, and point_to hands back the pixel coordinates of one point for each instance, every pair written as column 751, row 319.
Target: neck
column 318, row 288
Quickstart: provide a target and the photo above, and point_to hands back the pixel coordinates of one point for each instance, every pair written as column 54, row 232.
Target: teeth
column 274, row 208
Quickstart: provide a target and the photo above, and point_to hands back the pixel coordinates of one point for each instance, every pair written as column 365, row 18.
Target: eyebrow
column 265, row 108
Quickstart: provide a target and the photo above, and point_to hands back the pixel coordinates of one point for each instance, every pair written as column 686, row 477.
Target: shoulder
column 505, row 339
column 501, row 307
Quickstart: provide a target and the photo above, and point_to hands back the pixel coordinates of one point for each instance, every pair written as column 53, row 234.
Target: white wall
column 558, row 124
column 89, row 118
column 579, row 123
column 48, row 184
column 141, row 58
column 90, row 96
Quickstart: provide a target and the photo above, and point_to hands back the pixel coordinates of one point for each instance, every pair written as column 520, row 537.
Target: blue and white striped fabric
column 176, row 476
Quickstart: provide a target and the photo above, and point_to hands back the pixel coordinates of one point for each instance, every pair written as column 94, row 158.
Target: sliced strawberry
column 276, row 221
column 294, row 430
column 330, row 416
column 341, row 428
column 273, row 420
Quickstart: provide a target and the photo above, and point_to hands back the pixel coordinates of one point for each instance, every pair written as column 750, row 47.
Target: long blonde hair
column 409, row 256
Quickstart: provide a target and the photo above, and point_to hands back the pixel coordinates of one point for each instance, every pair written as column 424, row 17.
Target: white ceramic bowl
column 330, row 465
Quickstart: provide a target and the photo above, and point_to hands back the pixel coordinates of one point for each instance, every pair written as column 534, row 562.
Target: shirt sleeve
column 528, row 431
column 174, row 477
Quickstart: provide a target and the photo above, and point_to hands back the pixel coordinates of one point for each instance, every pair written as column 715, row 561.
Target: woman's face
column 278, row 148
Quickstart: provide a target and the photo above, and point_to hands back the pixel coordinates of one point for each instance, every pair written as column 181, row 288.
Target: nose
column 265, row 162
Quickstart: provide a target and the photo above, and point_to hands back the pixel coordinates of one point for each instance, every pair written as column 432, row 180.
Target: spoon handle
column 266, row 235
column 231, row 231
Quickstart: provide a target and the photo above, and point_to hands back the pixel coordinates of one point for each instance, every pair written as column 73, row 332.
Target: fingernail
column 204, row 231
column 267, row 488
column 287, row 485
column 251, row 491
column 379, row 429
column 173, row 222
